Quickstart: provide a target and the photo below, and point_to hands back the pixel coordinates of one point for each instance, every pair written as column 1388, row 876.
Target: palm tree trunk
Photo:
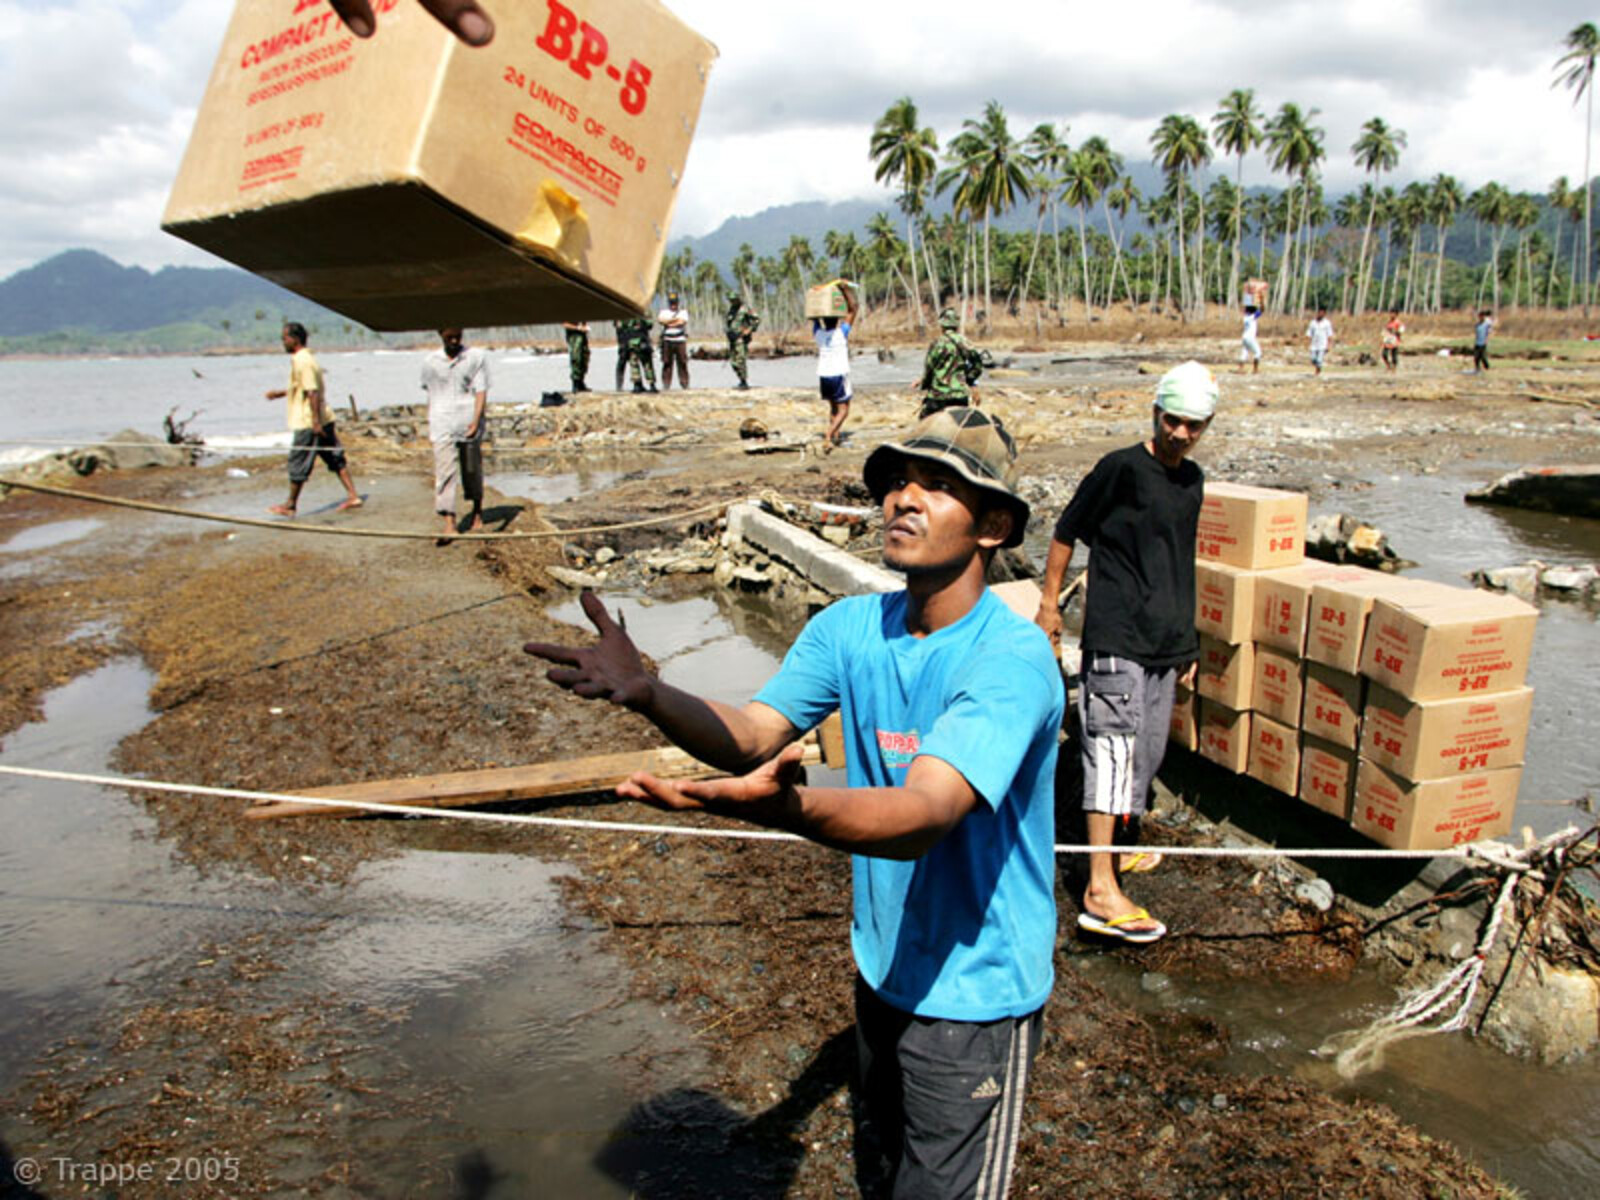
column 1083, row 258
column 988, row 291
column 1033, row 255
column 1200, row 259
column 1238, row 217
column 1362, row 273
column 1588, row 198
column 1555, row 257
column 911, row 252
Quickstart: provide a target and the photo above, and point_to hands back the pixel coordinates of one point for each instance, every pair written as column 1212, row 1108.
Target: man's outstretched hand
column 610, row 669
column 462, row 17
column 766, row 796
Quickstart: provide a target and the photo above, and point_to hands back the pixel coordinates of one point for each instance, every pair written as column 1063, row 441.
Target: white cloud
column 101, row 93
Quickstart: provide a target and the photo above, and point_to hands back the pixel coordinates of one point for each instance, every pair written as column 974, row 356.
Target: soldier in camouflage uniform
column 741, row 325
column 633, row 346
column 945, row 370
column 578, row 353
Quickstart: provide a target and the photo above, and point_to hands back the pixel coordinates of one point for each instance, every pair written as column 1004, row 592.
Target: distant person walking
column 633, row 352
column 833, row 365
column 578, row 353
column 1393, row 331
column 949, row 369
column 741, row 325
column 1480, row 342
column 455, row 380
column 1250, row 341
column 311, row 429
column 674, row 342
column 1320, row 331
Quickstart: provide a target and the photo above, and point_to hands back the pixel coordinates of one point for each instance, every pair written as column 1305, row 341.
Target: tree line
column 1184, row 247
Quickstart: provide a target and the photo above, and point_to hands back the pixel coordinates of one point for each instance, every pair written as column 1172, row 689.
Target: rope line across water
column 765, row 835
column 350, row 531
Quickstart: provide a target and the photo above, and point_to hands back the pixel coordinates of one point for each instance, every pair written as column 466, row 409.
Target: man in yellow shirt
column 310, row 424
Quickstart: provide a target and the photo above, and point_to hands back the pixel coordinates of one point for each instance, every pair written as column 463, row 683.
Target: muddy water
column 1531, row 1127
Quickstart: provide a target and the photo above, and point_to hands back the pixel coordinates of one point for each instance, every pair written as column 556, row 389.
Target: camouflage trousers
column 739, row 358
column 578, row 357
column 637, row 357
column 933, row 404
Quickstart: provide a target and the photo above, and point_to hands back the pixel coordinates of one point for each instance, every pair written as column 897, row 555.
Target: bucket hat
column 972, row 444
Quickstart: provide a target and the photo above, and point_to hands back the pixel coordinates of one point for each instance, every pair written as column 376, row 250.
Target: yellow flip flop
column 1113, row 928
column 1142, row 862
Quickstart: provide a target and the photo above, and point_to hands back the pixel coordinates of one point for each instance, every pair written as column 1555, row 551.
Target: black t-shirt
column 1139, row 520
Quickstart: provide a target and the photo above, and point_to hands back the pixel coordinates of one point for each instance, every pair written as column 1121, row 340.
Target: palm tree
column 1352, row 208
column 1522, row 216
column 1047, row 150
column 1576, row 71
column 885, row 245
column 1235, row 127
column 1376, row 151
column 1559, row 198
column 1410, row 215
column 1104, row 168
column 1444, row 198
column 1295, row 148
column 1080, row 188
column 1181, row 146
column 993, row 171
column 1119, row 199
column 1491, row 204
column 906, row 152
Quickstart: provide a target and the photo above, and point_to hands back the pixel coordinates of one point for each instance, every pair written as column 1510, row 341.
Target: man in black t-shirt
column 1138, row 512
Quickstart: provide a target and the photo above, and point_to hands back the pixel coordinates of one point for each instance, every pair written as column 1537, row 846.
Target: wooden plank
column 463, row 789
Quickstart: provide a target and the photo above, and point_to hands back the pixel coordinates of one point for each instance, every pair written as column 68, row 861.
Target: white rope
column 454, row 814
column 1363, row 1050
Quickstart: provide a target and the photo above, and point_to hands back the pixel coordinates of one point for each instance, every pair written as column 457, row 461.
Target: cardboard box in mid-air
column 828, row 300
column 413, row 182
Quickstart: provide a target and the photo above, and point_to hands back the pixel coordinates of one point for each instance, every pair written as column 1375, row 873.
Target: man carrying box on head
column 833, row 364
column 952, row 705
column 1138, row 511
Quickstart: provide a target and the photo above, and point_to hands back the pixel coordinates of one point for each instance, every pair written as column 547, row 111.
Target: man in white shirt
column 674, row 323
column 1320, row 331
column 833, row 366
column 1249, row 342
column 456, row 381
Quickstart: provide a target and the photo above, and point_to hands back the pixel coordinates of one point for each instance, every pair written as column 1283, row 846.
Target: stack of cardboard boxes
column 1396, row 704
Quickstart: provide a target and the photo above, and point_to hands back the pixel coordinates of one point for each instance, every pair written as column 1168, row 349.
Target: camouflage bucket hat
column 972, row 444
column 949, row 319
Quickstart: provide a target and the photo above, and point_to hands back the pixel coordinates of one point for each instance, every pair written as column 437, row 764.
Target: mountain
column 86, row 291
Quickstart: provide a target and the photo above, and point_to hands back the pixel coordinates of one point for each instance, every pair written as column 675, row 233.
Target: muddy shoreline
column 290, row 661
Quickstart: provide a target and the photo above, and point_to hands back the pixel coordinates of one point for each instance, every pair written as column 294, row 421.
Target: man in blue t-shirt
column 951, row 707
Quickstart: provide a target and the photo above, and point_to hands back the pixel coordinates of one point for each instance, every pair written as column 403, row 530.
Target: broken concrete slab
column 1573, row 491
column 828, row 567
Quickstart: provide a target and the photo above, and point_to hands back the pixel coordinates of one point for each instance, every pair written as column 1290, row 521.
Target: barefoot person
column 951, row 706
column 1393, row 330
column 1250, row 341
column 455, row 379
column 312, row 435
column 1320, row 331
column 1138, row 512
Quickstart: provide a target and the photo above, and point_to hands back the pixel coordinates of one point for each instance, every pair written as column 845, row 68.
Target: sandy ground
column 297, row 660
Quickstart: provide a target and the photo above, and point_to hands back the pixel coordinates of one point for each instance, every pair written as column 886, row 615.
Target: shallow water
column 44, row 537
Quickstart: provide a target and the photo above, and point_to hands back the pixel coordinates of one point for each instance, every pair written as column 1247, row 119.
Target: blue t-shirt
column 1482, row 332
column 967, row 931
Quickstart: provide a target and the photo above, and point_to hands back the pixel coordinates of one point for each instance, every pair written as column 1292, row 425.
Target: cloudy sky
column 102, row 93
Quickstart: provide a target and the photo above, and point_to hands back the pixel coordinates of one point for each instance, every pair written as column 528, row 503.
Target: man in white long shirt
column 455, row 379
column 1320, row 331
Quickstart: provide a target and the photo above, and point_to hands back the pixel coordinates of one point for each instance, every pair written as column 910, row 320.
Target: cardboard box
column 1283, row 602
column 414, row 182
column 1277, row 685
column 827, row 300
column 1473, row 643
column 1183, row 728
column 1436, row 815
column 1251, row 527
column 1336, row 614
column 1332, row 706
column 1445, row 737
column 1327, row 776
column 1226, row 673
column 1021, row 596
column 1275, row 754
column 1224, row 601
column 1224, row 735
